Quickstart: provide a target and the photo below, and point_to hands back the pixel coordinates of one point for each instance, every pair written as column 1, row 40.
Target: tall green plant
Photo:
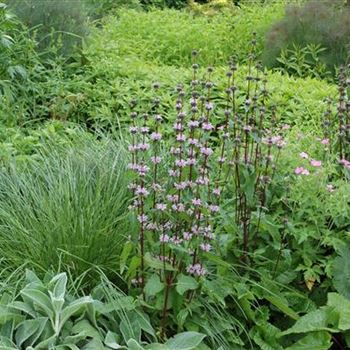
column 67, row 208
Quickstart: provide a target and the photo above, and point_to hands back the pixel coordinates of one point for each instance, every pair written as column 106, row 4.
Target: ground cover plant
column 161, row 189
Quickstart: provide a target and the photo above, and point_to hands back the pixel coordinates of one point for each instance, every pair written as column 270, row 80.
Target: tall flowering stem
column 214, row 151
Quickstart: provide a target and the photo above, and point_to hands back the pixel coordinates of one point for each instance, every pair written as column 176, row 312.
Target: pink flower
column 206, row 247
column 301, row 171
column 143, row 146
column 156, row 160
column 142, row 218
column 193, row 124
column 144, row 130
column 206, row 151
column 181, row 163
column 304, row 155
column 196, row 202
column 316, row 163
column 216, row 191
column 178, row 127
column 156, row 136
column 207, row 126
column 325, row 142
column 164, row 238
column 187, row 236
column 196, row 269
column 345, row 162
column 214, row 208
column 181, row 138
column 161, row 206
column 141, row 191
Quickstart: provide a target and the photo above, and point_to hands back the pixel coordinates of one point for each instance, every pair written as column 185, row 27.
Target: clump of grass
column 66, row 210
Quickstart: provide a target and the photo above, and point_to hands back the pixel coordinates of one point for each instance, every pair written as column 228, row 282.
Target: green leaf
column 156, row 346
column 59, row 283
column 153, row 286
column 40, row 300
column 318, row 320
column 26, row 329
column 341, row 272
column 112, row 340
column 185, row 283
column 185, row 341
column 316, row 341
column 73, row 308
column 134, row 345
column 341, row 305
column 124, row 255
column 157, row 264
column 280, row 304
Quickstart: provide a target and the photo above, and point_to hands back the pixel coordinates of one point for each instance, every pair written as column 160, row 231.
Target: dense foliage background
column 71, row 75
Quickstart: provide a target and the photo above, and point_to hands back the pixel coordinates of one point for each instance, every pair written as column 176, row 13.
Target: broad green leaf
column 59, row 283
column 157, row 264
column 153, row 285
column 185, row 341
column 156, row 346
column 73, row 308
column 341, row 272
column 142, row 321
column 134, row 345
column 112, row 340
column 40, row 300
column 24, row 307
column 342, row 306
column 185, row 283
column 94, row 344
column 318, row 320
column 314, row 341
column 85, row 327
column 265, row 335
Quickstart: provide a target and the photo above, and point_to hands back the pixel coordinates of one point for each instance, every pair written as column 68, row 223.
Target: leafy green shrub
column 168, row 36
column 56, row 23
column 324, row 23
column 44, row 315
column 303, row 62
column 68, row 207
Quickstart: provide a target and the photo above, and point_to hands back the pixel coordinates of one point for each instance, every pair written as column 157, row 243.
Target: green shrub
column 168, row 36
column 324, row 23
column 56, row 23
column 67, row 207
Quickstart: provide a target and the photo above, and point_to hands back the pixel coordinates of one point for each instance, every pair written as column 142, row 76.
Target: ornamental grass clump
column 215, row 151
